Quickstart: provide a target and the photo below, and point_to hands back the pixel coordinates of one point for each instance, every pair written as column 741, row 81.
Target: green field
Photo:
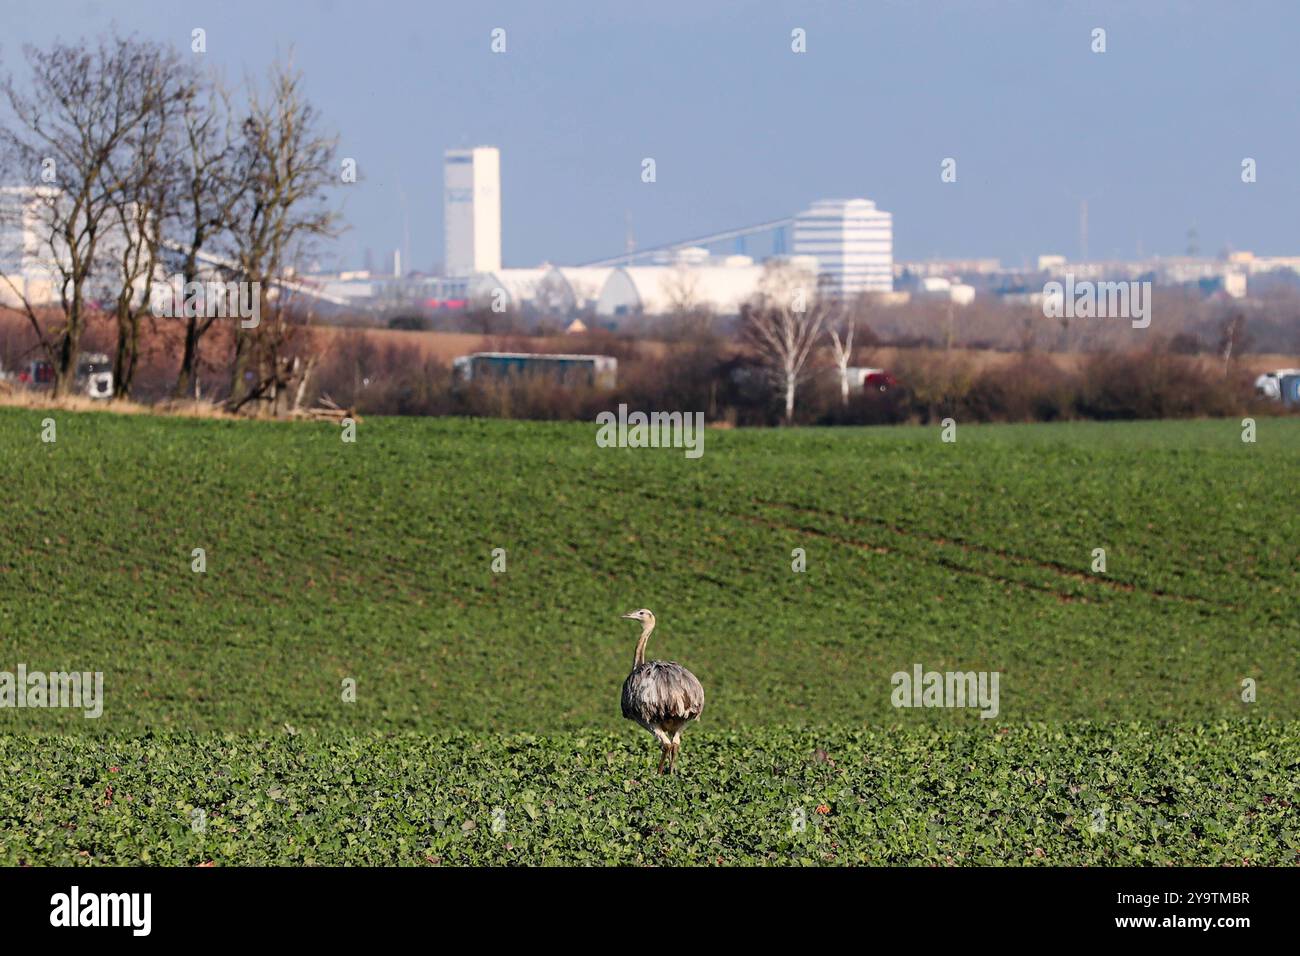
column 1095, row 794
column 372, row 562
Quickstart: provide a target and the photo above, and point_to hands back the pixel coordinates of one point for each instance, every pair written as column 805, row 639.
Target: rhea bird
column 661, row 696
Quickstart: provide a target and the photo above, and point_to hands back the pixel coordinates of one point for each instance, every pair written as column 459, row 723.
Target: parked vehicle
column 863, row 379
column 1280, row 385
column 93, row 378
column 1289, row 386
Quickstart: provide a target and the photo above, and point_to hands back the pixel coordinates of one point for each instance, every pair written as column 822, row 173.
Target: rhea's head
column 644, row 616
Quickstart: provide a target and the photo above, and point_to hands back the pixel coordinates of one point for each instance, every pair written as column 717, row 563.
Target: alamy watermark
column 922, row 688
column 130, row 910
column 79, row 689
column 177, row 298
column 651, row 430
column 1128, row 299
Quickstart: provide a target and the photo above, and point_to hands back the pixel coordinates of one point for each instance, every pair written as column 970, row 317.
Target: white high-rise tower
column 472, row 210
column 853, row 242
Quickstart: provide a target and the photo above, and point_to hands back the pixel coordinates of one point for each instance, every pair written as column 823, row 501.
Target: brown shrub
column 1156, row 384
column 1033, row 388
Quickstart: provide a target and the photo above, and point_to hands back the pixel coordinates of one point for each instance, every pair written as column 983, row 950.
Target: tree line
column 128, row 163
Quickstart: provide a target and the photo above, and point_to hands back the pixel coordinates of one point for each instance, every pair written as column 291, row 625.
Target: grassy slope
column 372, row 561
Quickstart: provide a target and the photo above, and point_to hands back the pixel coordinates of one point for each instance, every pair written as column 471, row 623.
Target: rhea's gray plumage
column 661, row 696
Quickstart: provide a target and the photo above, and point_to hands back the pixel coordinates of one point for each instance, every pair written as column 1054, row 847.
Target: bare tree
column 687, row 316
column 83, row 108
column 1232, row 339
column 841, row 325
column 1027, row 330
column 681, row 289
column 207, row 195
column 783, row 325
column 842, row 347
column 551, row 299
column 480, row 317
column 283, row 166
column 129, row 283
column 143, row 186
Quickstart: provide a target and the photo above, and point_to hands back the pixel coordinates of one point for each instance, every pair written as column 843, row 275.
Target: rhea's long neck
column 640, row 645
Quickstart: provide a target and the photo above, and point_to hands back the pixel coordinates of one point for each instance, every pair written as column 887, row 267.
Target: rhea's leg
column 665, row 742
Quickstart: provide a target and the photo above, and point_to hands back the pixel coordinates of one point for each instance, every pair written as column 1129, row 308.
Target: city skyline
column 1149, row 135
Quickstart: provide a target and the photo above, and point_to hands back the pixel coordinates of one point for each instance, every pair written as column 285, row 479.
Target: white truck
column 1282, row 385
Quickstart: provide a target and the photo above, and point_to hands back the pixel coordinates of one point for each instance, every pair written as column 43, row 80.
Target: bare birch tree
column 1232, row 339
column 841, row 325
column 783, row 325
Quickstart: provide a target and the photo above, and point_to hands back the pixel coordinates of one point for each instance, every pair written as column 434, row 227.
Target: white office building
column 853, row 242
column 472, row 210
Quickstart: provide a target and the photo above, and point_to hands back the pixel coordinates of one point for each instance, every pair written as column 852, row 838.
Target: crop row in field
column 1220, row 793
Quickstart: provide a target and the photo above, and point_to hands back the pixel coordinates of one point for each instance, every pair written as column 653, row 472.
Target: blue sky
column 1151, row 133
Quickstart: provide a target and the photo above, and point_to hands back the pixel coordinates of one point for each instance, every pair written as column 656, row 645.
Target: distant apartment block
column 28, row 268
column 472, row 210
column 853, row 242
column 947, row 267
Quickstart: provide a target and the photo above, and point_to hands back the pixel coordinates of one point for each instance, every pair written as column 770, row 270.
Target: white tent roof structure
column 580, row 286
column 659, row 290
column 520, row 286
column 721, row 286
